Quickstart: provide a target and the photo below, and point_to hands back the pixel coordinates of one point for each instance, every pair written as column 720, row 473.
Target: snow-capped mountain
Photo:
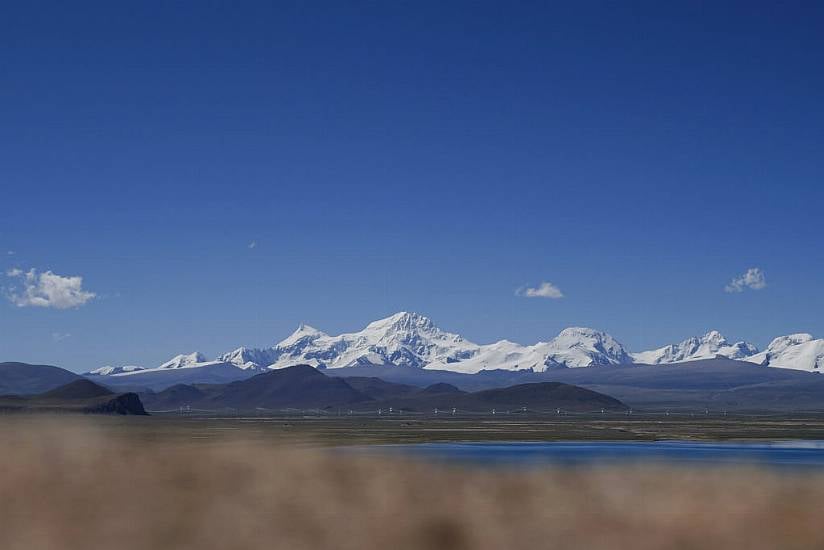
column 111, row 371
column 585, row 347
column 796, row 351
column 184, row 361
column 709, row 346
column 404, row 339
column 250, row 358
column 413, row 341
column 573, row 348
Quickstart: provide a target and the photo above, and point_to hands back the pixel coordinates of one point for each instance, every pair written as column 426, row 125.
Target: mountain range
column 305, row 387
column 717, row 384
column 412, row 340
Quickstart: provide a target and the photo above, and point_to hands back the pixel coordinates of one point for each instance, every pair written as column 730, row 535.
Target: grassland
column 226, row 483
column 331, row 429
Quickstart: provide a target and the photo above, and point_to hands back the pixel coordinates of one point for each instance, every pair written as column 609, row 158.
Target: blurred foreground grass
column 67, row 484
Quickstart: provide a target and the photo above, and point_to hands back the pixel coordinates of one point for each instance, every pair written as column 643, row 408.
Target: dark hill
column 179, row 395
column 125, row 403
column 78, row 389
column 78, row 396
column 298, row 387
column 536, row 397
column 25, row 379
column 546, row 396
column 440, row 387
column 303, row 387
column 379, row 389
column 711, row 383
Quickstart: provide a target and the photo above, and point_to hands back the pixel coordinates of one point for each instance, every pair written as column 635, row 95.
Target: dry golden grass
column 70, row 487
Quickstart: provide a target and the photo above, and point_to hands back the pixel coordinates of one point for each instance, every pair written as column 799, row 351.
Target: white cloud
column 47, row 290
column 753, row 279
column 252, row 244
column 10, row 253
column 60, row 336
column 544, row 290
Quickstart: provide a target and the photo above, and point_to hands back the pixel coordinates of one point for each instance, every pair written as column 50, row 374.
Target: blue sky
column 405, row 156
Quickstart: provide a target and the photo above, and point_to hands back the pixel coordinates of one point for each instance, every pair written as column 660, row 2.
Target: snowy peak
column 249, row 358
column 711, row 345
column 111, row 371
column 783, row 343
column 572, row 348
column 304, row 333
column 584, row 347
column 408, row 339
column 402, row 322
column 183, row 361
column 795, row 351
column 404, row 339
column 587, row 338
column 713, row 337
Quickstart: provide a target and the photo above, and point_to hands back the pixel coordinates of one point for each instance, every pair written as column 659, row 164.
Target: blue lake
column 778, row 453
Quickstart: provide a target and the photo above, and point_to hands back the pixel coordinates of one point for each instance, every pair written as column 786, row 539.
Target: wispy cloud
column 252, row 245
column 60, row 336
column 47, row 290
column 544, row 290
column 753, row 279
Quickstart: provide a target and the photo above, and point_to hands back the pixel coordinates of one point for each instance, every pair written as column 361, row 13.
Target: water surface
column 777, row 453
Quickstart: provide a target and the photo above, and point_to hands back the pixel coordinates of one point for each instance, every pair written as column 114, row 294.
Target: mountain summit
column 184, row 361
column 404, row 339
column 412, row 340
column 573, row 348
column 585, row 347
column 711, row 345
column 796, row 351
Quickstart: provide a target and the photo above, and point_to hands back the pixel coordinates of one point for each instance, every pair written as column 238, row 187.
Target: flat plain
column 325, row 430
column 236, row 483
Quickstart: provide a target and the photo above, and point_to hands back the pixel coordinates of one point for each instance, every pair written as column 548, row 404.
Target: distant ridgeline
column 413, row 341
column 304, row 387
column 717, row 384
